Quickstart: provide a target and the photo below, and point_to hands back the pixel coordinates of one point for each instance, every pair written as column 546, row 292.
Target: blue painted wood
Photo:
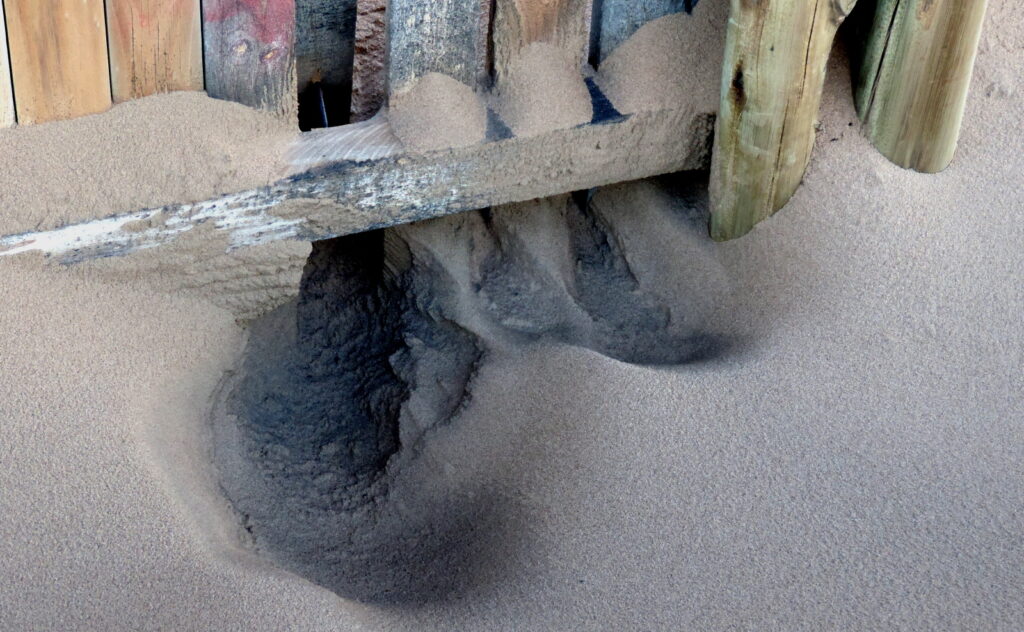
column 617, row 20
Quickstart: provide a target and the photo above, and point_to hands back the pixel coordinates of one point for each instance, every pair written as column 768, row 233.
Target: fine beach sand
column 856, row 462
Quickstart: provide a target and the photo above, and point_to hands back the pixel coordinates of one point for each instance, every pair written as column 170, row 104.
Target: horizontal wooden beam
column 357, row 177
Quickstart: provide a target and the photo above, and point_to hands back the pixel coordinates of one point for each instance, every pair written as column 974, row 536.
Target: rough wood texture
column 445, row 36
column 562, row 23
column 914, row 76
column 325, row 32
column 333, row 196
column 369, row 68
column 59, row 61
column 619, row 19
column 773, row 74
column 6, row 91
column 249, row 53
column 155, row 46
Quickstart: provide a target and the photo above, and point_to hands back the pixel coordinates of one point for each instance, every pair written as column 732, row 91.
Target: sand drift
column 338, row 389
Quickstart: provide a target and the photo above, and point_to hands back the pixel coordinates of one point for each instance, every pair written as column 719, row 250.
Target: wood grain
column 7, row 116
column 562, row 23
column 249, row 52
column 914, row 77
column 445, row 36
column 775, row 58
column 338, row 193
column 619, row 19
column 369, row 65
column 155, row 46
column 59, row 60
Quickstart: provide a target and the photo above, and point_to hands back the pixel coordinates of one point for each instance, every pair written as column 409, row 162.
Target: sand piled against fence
column 855, row 465
column 438, row 112
column 667, row 62
column 543, row 90
column 178, row 147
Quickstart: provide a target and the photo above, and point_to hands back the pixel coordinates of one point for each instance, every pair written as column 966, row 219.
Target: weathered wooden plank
column 914, row 77
column 445, row 36
column 59, row 63
column 324, row 39
column 7, row 116
column 773, row 74
column 369, row 66
column 333, row 196
column 563, row 23
column 155, row 46
column 619, row 19
column 249, row 53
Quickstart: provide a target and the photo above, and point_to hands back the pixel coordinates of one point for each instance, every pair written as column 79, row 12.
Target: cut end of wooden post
column 914, row 77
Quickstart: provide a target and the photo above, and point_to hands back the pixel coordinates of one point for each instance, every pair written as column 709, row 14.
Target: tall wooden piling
column 913, row 77
column 774, row 70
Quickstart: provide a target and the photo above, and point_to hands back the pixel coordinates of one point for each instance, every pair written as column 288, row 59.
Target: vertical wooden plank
column 59, row 60
column 914, row 77
column 155, row 46
column 776, row 54
column 324, row 41
column 564, row 24
column 445, row 36
column 619, row 19
column 369, row 66
column 249, row 52
column 7, row 116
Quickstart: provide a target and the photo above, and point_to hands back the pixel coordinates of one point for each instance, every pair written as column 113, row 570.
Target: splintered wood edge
column 357, row 177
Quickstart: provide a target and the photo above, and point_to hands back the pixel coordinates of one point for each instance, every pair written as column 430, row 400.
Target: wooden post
column 563, row 23
column 619, row 19
column 774, row 70
column 249, row 53
column 369, row 81
column 58, row 54
column 445, row 36
column 7, row 116
column 913, row 78
column 155, row 46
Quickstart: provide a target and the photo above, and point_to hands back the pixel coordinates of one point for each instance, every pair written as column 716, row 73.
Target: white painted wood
column 6, row 92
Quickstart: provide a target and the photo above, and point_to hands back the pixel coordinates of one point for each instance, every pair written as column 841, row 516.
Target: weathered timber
column 155, row 46
column 248, row 48
column 7, row 116
column 562, row 23
column 332, row 196
column 445, row 36
column 775, row 58
column 913, row 78
column 617, row 20
column 58, row 51
column 369, row 65
column 324, row 38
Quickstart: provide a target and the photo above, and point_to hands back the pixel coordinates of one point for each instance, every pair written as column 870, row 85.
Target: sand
column 438, row 112
column 854, row 461
column 543, row 90
column 669, row 61
column 123, row 160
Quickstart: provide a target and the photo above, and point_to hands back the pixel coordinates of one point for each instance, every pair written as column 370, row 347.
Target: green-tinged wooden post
column 912, row 82
column 772, row 78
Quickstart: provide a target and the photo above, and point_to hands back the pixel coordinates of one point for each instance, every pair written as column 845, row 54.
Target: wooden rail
column 359, row 177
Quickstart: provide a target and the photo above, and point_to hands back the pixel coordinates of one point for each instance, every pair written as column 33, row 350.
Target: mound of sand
column 438, row 112
column 853, row 462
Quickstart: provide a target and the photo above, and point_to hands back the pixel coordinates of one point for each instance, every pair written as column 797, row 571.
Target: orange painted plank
column 155, row 46
column 58, row 58
column 6, row 91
